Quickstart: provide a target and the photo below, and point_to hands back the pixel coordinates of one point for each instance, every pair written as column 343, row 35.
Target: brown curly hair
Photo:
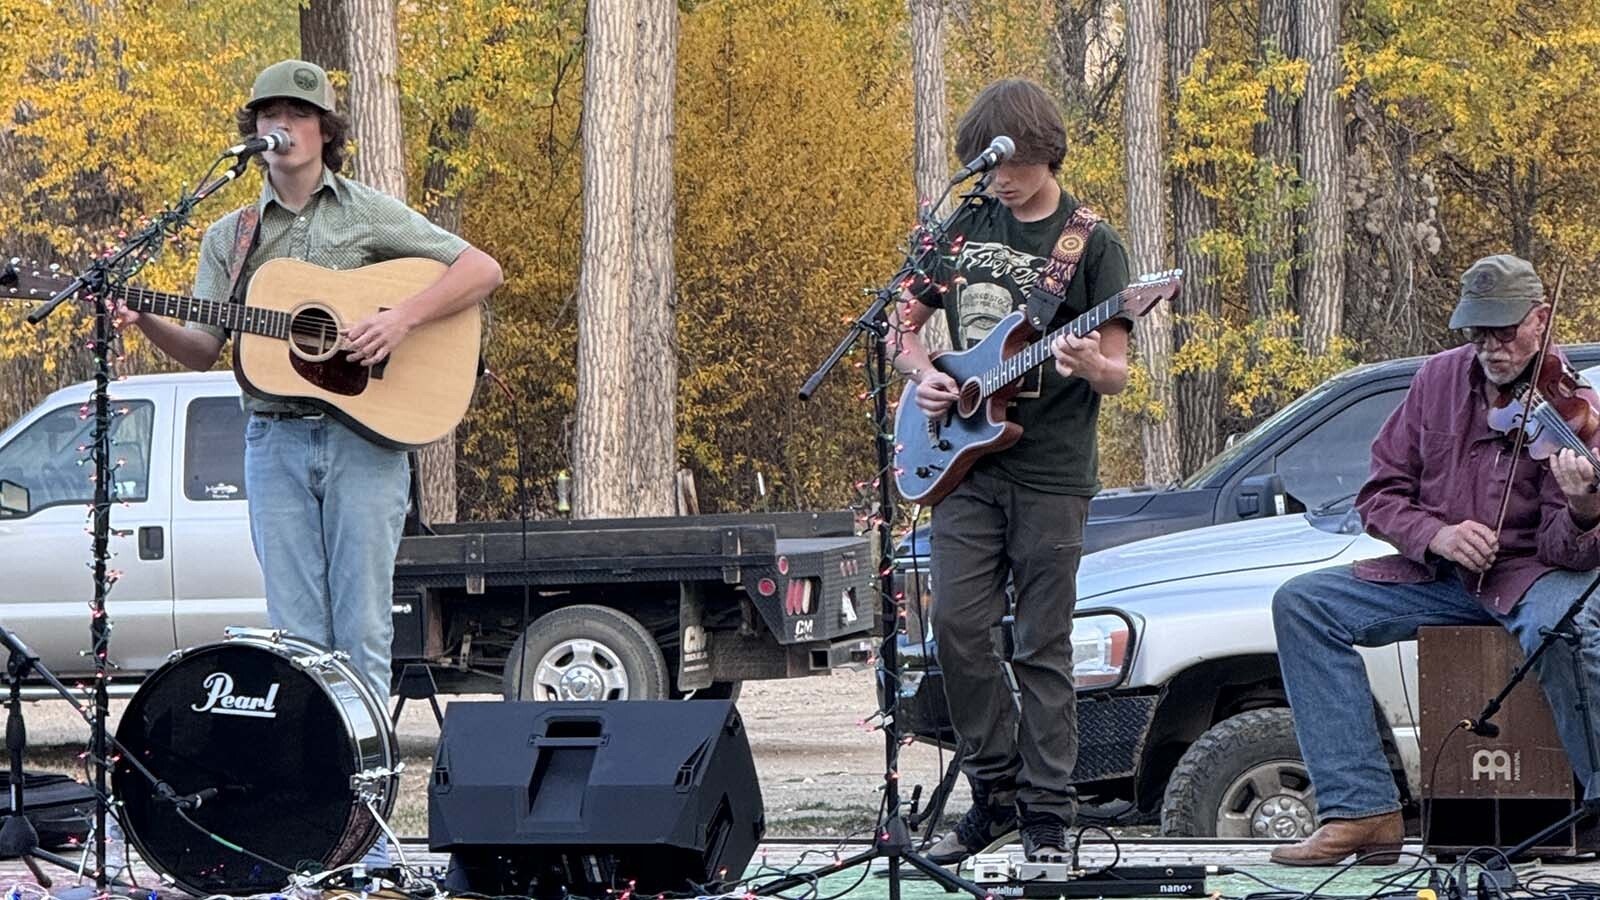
column 1021, row 110
column 335, row 127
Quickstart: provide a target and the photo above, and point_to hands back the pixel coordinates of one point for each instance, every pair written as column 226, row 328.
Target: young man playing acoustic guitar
column 326, row 504
column 1019, row 513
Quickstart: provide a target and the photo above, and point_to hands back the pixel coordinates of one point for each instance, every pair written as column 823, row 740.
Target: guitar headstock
column 21, row 280
column 1142, row 295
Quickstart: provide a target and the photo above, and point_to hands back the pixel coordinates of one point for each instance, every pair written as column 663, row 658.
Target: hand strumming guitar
column 937, row 392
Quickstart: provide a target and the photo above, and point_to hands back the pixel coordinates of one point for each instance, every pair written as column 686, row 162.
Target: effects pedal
column 1012, row 875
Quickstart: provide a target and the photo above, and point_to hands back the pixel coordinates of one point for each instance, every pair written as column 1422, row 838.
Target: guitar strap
column 246, row 237
column 1047, row 295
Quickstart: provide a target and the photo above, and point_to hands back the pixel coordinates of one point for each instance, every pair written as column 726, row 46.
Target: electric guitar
column 933, row 454
column 289, row 342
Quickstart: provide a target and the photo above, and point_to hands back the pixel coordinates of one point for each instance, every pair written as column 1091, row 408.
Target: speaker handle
column 540, row 740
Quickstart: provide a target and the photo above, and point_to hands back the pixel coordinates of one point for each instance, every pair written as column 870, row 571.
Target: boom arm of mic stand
column 146, row 237
column 1482, row 725
column 868, row 321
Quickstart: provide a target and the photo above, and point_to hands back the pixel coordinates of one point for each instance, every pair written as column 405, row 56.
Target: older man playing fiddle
column 1439, row 472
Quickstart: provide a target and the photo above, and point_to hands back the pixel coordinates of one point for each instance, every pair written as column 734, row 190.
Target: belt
column 289, row 415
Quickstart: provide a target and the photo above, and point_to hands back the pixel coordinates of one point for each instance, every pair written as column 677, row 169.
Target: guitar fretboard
column 1019, row 364
column 223, row 314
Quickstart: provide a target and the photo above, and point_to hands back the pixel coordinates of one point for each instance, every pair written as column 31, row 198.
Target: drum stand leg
column 18, row 837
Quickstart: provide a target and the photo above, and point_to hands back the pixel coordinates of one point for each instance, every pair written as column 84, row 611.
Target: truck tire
column 585, row 653
column 1243, row 778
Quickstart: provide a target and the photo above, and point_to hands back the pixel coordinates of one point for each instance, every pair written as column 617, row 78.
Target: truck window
column 1332, row 460
column 213, row 449
column 46, row 460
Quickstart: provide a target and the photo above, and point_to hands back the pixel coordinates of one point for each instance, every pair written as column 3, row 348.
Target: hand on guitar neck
column 196, row 350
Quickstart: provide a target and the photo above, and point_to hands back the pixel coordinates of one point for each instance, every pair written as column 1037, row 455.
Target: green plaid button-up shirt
column 345, row 225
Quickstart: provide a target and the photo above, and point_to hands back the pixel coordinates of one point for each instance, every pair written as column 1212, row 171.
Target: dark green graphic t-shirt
column 1000, row 260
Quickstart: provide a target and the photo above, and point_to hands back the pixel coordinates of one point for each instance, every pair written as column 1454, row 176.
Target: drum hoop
column 330, row 673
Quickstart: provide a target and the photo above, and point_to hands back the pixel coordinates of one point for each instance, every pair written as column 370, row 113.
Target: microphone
column 198, row 798
column 276, row 141
column 998, row 151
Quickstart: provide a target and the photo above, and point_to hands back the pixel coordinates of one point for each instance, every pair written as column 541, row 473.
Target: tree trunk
column 1198, row 392
column 444, row 208
column 1085, row 62
column 375, row 126
column 606, row 355
column 374, row 106
column 323, row 27
column 1147, row 242
column 1322, row 168
column 1268, row 261
column 932, row 160
column 652, row 396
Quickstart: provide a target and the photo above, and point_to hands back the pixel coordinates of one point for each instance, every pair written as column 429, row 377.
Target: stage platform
column 778, row 856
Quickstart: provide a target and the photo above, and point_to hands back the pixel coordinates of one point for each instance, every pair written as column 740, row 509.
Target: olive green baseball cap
column 1497, row 291
column 294, row 79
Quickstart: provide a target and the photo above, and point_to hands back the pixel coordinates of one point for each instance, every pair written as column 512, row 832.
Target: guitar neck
column 1036, row 353
column 221, row 314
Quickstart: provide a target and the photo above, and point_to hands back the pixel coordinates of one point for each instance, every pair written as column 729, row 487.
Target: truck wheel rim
column 1270, row 800
column 583, row 670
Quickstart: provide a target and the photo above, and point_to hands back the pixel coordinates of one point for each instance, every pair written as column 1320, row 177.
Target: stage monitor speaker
column 534, row 799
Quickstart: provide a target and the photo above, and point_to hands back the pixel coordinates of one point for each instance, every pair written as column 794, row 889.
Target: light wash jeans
column 1322, row 616
column 326, row 510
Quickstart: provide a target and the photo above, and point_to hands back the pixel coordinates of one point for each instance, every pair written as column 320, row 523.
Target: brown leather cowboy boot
column 1375, row 838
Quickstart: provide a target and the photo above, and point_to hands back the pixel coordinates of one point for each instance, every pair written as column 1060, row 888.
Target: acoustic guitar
column 289, row 342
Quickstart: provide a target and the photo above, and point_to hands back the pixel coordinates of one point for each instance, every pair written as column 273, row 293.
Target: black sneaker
column 979, row 829
column 1045, row 839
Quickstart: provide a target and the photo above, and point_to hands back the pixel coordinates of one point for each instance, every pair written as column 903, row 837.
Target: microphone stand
column 1565, row 629
column 892, row 837
column 94, row 283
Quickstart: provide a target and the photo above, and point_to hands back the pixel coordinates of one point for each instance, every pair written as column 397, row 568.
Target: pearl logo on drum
column 220, row 699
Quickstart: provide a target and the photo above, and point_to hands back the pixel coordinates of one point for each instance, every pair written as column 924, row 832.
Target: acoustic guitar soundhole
column 314, row 333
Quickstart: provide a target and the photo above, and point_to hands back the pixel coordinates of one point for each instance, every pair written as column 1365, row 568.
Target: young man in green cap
column 1438, row 474
column 326, row 504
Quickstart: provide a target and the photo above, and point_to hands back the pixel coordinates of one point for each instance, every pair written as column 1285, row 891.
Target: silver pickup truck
column 662, row 607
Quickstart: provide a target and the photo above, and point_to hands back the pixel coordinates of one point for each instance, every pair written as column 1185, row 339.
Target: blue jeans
column 326, row 510
column 1322, row 616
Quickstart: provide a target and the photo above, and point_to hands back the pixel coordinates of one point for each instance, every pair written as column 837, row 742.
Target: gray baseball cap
column 294, row 79
column 1497, row 291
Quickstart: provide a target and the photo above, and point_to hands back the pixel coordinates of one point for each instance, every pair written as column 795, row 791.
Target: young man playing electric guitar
column 1019, row 513
column 326, row 503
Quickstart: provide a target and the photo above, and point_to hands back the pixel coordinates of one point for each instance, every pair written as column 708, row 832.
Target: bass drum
column 281, row 741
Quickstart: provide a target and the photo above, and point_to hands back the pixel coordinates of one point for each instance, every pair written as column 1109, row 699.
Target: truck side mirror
column 1260, row 496
column 13, row 499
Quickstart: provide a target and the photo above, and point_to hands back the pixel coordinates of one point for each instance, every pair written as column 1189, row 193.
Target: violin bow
column 1527, row 407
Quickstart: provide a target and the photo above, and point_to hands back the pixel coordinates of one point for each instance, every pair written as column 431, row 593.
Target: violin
column 1554, row 409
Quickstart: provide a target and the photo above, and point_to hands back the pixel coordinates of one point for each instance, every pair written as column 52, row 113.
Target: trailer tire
column 585, row 653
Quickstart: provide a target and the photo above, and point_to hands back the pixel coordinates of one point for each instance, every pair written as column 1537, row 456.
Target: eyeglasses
column 1505, row 334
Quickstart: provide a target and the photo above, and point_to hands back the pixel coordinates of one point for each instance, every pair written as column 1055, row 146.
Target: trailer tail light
column 797, row 599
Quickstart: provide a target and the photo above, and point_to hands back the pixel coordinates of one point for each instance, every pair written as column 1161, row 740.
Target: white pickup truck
column 628, row 608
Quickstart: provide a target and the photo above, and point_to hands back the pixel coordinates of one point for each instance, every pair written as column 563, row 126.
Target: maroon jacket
column 1437, row 462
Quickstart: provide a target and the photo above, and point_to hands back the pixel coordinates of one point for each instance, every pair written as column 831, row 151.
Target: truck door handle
column 152, row 544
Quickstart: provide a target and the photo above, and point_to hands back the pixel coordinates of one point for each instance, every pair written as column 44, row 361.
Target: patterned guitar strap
column 1050, row 291
column 246, row 235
